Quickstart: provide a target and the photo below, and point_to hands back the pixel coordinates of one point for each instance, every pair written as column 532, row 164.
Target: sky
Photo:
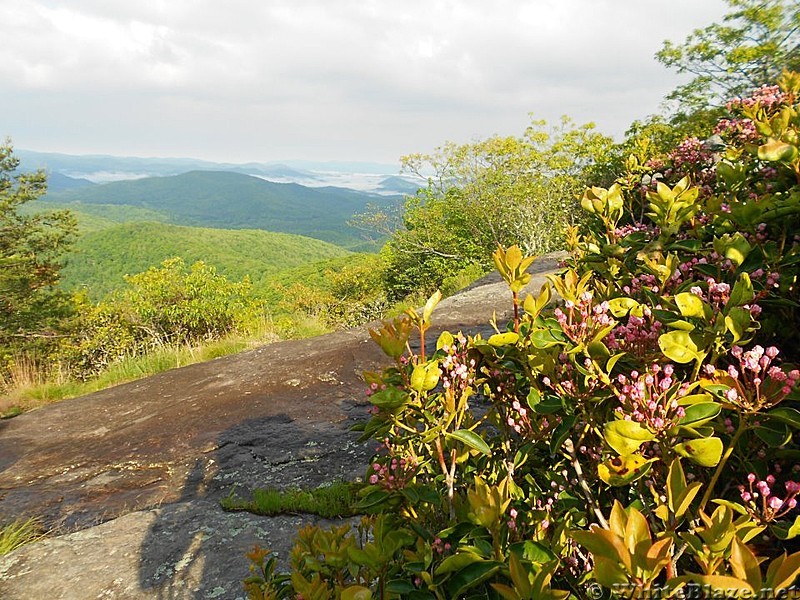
column 350, row 80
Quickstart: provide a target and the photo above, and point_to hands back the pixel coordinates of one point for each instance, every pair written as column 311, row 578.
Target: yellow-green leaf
column 777, row 151
column 626, row 436
column 678, row 346
column 690, row 305
column 622, row 470
column 705, row 452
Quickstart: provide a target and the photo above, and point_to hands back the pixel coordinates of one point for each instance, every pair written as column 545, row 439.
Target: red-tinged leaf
column 618, row 520
column 658, row 554
column 786, row 572
column 726, row 584
column 636, row 530
column 505, row 591
column 744, row 564
column 602, row 542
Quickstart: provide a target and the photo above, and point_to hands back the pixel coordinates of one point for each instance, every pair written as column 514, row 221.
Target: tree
column 501, row 190
column 176, row 305
column 31, row 249
column 757, row 40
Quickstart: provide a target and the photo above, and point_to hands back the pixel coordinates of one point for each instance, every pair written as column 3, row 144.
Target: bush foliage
column 637, row 440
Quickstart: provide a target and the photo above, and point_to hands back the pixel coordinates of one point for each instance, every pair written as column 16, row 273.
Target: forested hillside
column 101, row 258
column 236, row 201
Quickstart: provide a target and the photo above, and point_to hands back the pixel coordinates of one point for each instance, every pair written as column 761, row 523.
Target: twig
column 570, row 448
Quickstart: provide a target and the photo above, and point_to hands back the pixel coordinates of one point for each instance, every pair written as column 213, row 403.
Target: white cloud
column 360, row 79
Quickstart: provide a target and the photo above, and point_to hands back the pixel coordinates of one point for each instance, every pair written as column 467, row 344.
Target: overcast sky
column 371, row 80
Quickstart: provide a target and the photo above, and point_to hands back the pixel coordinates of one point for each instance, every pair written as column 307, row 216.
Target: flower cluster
column 565, row 383
column 458, row 370
column 583, row 318
column 639, row 336
column 693, row 156
column 737, row 131
column 762, row 503
column 691, row 151
column 439, row 546
column 518, row 418
column 651, row 398
column 395, row 474
column 757, row 383
column 626, row 230
column 767, row 97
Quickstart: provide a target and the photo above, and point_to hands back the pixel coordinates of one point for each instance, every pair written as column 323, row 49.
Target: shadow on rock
column 194, row 549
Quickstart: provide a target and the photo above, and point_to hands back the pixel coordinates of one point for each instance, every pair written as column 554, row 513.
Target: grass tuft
column 335, row 500
column 18, row 533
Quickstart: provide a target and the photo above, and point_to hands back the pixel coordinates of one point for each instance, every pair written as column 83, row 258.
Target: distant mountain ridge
column 362, row 176
column 236, row 201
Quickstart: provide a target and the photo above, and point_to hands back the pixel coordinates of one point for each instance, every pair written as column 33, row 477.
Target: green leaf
column 549, row 405
column 562, row 432
column 777, row 151
column 737, row 322
column 356, row 592
column 786, row 414
column 742, row 292
column 503, row 339
column 534, row 552
column 390, row 398
column 734, row 247
column 603, row 542
column 471, row 439
column 697, row 414
column 705, row 452
column 690, row 305
column 678, row 346
column 424, row 377
column 676, row 483
column 400, row 586
column 620, row 307
column 534, row 397
column 786, row 533
column 445, row 339
column 471, row 576
column 608, row 573
column 626, row 436
column 775, row 433
column 430, row 305
column 456, row 562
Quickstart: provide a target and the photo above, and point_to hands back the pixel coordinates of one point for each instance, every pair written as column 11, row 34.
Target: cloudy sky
column 370, row 80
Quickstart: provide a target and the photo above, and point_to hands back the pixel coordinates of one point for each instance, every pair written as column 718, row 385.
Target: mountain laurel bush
column 640, row 439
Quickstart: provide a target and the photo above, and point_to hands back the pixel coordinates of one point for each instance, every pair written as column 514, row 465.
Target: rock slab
column 131, row 477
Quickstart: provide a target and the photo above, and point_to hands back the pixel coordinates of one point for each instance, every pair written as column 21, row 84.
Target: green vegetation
column 501, row 190
column 235, row 201
column 335, row 500
column 641, row 438
column 18, row 533
column 102, row 258
column 756, row 42
column 93, row 217
column 34, row 388
column 30, row 249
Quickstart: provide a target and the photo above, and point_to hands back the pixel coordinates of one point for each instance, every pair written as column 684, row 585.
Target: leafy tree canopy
column 501, row 190
column 756, row 41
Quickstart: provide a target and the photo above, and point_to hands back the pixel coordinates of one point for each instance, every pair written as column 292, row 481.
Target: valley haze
column 378, row 178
